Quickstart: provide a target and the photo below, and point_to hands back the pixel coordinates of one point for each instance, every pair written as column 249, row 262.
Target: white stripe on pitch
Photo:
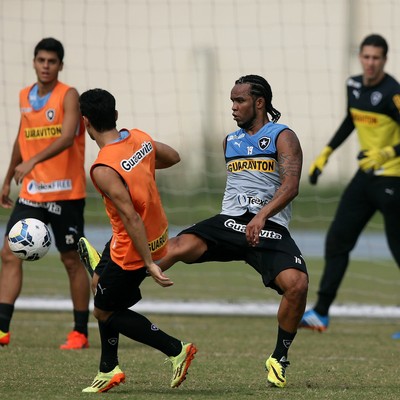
column 212, row 308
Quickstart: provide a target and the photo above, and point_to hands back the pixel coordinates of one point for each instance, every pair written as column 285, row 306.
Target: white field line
column 213, row 308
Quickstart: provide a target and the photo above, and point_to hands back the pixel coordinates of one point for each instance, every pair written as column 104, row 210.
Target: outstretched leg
column 187, row 248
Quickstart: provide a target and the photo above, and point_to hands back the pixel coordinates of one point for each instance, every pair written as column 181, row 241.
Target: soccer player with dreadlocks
column 263, row 163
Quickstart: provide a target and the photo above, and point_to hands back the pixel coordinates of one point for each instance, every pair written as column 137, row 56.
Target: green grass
column 355, row 359
column 365, row 282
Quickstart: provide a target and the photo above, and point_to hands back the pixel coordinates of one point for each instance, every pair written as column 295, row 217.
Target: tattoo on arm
column 290, row 162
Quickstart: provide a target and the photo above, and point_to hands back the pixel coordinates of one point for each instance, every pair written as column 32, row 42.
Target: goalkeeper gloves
column 373, row 159
column 318, row 165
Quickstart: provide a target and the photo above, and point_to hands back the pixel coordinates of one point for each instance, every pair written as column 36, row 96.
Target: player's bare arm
column 166, row 156
column 111, row 184
column 16, row 159
column 290, row 160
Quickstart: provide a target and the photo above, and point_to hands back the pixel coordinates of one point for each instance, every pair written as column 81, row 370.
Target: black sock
column 109, row 347
column 81, row 319
column 6, row 313
column 283, row 343
column 137, row 327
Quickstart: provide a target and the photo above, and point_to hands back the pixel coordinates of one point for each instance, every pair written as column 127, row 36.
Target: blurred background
column 171, row 65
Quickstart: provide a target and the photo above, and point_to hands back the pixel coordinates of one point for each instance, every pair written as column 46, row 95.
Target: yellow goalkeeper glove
column 373, row 159
column 318, row 165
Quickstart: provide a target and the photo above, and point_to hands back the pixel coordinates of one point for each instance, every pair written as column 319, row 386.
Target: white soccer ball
column 29, row 239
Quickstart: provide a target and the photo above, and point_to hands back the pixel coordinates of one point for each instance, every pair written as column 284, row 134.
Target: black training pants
column 364, row 195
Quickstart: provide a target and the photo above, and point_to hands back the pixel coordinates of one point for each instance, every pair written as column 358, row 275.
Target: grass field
column 366, row 282
column 355, row 359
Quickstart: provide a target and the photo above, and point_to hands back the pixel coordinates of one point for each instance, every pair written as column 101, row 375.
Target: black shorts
column 226, row 240
column 117, row 289
column 64, row 217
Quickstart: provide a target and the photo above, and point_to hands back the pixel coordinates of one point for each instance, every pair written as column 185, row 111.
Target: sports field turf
column 355, row 359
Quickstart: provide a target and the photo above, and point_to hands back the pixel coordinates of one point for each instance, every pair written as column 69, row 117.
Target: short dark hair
column 98, row 106
column 50, row 44
column 259, row 87
column 376, row 41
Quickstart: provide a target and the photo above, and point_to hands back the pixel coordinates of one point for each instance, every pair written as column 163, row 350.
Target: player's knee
column 7, row 256
column 294, row 284
column 301, row 287
column 71, row 261
column 101, row 315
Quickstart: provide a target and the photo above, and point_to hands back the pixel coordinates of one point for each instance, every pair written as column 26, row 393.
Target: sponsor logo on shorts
column 237, row 227
column 51, row 206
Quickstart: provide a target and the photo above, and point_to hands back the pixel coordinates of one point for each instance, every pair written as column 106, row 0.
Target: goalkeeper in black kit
column 373, row 109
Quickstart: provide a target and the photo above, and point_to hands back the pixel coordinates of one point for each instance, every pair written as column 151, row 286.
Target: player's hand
column 318, row 165
column 157, row 274
column 23, row 169
column 253, row 229
column 373, row 159
column 5, row 200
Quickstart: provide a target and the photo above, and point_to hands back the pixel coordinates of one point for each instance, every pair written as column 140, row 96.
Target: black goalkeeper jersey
column 375, row 112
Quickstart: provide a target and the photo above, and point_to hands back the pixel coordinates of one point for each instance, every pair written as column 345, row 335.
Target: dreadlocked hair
column 261, row 88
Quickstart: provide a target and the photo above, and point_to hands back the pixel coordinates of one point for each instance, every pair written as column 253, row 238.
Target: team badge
column 264, row 142
column 50, row 114
column 376, row 97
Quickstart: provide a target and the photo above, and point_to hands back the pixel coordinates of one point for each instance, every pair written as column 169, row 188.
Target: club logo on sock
column 287, row 343
column 113, row 341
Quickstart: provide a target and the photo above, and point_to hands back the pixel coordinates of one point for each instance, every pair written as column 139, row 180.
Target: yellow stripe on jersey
column 251, row 165
column 156, row 244
column 375, row 130
column 43, row 132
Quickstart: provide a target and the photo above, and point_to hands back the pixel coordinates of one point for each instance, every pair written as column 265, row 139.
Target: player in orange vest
column 47, row 161
column 124, row 174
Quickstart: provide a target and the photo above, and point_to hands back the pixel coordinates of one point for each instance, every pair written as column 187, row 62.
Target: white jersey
column 252, row 172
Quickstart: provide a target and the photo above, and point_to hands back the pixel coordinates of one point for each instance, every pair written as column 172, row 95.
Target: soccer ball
column 29, row 239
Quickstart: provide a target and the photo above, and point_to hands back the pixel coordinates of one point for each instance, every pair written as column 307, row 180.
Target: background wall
column 172, row 63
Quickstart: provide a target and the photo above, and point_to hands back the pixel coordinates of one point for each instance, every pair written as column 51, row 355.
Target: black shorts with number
column 117, row 289
column 65, row 218
column 226, row 241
